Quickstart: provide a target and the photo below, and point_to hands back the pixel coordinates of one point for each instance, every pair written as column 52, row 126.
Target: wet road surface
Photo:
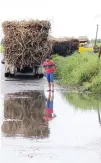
column 29, row 133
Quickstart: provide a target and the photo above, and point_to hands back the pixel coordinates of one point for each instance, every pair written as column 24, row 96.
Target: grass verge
column 79, row 71
column 1, row 49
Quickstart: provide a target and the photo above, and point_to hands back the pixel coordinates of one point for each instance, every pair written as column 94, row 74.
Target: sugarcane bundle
column 64, row 46
column 26, row 42
column 24, row 105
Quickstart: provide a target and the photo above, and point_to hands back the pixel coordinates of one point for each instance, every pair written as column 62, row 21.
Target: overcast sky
column 68, row 17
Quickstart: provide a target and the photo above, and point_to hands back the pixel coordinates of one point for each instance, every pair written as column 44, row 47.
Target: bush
column 83, row 70
column 95, row 85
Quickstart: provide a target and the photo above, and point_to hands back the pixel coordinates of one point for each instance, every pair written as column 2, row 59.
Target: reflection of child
column 49, row 115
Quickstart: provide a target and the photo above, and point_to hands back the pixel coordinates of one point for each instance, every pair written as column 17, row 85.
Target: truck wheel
column 11, row 75
column 7, row 74
column 41, row 76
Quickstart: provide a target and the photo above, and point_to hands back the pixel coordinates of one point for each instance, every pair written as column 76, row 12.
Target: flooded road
column 31, row 132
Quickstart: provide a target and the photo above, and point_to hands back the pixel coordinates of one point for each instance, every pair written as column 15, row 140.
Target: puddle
column 55, row 127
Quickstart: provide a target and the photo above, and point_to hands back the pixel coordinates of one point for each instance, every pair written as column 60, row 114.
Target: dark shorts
column 50, row 77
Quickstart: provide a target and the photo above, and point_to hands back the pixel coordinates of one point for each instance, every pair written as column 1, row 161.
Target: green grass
column 98, row 44
column 1, row 48
column 83, row 71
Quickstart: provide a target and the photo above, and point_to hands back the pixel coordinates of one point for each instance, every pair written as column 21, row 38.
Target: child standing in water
column 49, row 67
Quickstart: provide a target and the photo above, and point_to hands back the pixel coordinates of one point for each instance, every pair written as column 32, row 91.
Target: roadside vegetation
column 1, row 48
column 98, row 43
column 80, row 71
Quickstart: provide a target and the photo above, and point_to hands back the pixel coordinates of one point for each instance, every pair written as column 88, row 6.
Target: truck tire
column 41, row 75
column 12, row 75
column 7, row 74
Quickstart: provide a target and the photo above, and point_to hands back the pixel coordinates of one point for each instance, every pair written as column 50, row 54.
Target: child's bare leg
column 52, row 86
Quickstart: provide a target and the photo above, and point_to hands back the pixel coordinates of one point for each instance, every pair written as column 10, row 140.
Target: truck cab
column 85, row 46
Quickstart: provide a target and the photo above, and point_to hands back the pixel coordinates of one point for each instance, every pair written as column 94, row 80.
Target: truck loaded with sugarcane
column 26, row 45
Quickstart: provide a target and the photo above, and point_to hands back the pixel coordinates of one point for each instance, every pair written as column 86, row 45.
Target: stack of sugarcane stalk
column 64, row 46
column 26, row 128
column 24, row 104
column 23, row 113
column 26, row 42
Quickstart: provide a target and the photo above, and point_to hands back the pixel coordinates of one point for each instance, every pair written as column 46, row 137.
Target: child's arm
column 54, row 65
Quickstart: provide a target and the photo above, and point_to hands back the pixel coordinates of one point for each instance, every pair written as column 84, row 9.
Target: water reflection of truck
column 23, row 114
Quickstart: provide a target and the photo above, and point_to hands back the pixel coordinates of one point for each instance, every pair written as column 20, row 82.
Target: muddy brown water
column 73, row 135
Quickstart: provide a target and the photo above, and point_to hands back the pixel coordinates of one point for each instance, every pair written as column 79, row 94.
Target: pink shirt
column 49, row 66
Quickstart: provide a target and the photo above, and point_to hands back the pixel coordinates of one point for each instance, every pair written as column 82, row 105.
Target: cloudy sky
column 68, row 17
